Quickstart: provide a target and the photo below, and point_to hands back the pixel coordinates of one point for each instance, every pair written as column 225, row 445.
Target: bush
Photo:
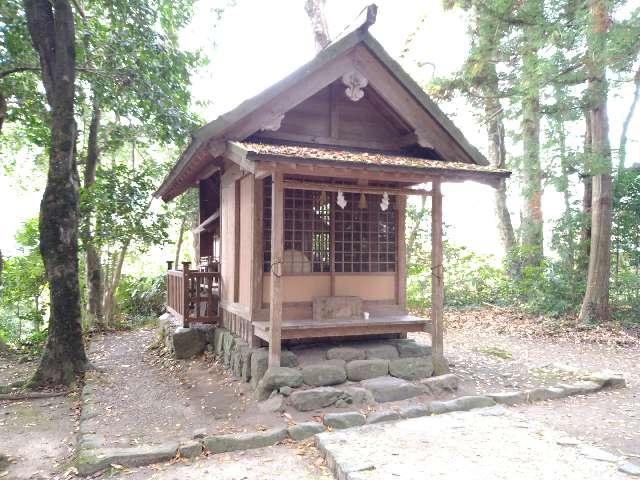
column 141, row 299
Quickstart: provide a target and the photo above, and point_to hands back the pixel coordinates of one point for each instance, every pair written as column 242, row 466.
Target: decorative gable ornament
column 355, row 83
column 341, row 201
column 274, row 124
column 384, row 203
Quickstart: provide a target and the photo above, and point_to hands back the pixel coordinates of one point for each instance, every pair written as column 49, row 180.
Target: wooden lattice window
column 306, row 232
column 364, row 238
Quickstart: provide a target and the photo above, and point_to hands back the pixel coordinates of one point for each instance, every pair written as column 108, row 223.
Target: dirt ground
column 609, row 419
column 145, row 397
column 38, row 436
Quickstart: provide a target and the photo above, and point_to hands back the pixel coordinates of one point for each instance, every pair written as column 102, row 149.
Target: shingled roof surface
column 358, row 156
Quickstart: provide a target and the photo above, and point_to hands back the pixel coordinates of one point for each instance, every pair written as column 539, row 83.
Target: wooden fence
column 193, row 296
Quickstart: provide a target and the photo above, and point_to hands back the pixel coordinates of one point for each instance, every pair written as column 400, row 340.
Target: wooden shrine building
column 302, row 201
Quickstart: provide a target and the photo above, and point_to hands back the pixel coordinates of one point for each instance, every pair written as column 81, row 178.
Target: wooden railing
column 193, row 295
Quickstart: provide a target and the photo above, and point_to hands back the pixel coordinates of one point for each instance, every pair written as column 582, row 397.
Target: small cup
column 365, row 315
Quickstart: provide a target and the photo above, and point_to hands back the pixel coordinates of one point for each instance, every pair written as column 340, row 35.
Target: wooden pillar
column 401, row 252
column 437, row 280
column 275, row 303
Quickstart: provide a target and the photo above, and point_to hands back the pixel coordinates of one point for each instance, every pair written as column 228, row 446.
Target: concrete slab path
column 490, row 443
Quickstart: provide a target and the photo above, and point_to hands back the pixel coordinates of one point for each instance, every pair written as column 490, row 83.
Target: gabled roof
column 327, row 66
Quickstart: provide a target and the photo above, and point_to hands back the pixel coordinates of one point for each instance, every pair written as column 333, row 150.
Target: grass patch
column 496, row 352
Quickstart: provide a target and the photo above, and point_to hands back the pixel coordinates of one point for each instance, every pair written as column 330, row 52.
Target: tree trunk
column 95, row 282
column 315, row 11
column 595, row 305
column 110, row 294
column 497, row 157
column 622, row 150
column 195, row 237
column 532, row 222
column 183, row 225
column 51, row 28
column 411, row 240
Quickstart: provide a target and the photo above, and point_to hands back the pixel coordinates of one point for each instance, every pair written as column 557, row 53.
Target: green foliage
column 120, row 199
column 22, row 292
column 141, row 299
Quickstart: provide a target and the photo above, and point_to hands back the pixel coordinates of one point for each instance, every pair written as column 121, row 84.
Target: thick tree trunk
column 315, row 11
column 51, row 28
column 595, row 305
column 585, row 237
column 95, row 282
column 622, row 150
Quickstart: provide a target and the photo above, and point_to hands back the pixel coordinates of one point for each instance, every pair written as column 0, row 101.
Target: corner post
column 277, row 253
column 437, row 279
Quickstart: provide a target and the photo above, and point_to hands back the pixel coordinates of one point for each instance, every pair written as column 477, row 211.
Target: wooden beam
column 236, row 230
column 238, row 155
column 206, row 222
column 401, row 253
column 437, row 280
column 371, row 173
column 333, row 187
column 258, row 261
column 277, row 254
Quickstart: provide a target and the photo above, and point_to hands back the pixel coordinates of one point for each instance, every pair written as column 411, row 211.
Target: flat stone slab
column 411, row 368
column 300, row 431
column 324, row 374
column 476, row 444
column 244, row 441
column 314, row 398
column 92, row 461
column 188, row 342
column 462, row 403
column 440, row 384
column 390, row 389
column 344, row 420
column 346, row 353
column 358, row 370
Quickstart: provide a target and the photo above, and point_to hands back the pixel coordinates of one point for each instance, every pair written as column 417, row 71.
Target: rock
column 276, row 377
column 244, row 441
column 342, row 403
column 409, row 348
column 210, row 337
column 238, row 357
column 580, row 388
column 188, row 342
column 260, row 363
column 390, row 389
column 629, row 468
column 228, row 341
column 414, row 411
column 357, row 396
column 595, row 453
column 508, row 398
column 607, row 378
column 323, row 374
column 286, row 391
column 383, row 416
column 245, row 374
column 337, row 361
column 358, row 370
column 411, row 368
column 344, row 420
column 273, row 404
column 441, row 384
column 304, row 430
column 385, row 351
column 462, row 403
column 346, row 353
column 199, row 433
column 190, row 449
column 314, row 398
column 544, row 393
column 218, row 335
column 91, row 461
